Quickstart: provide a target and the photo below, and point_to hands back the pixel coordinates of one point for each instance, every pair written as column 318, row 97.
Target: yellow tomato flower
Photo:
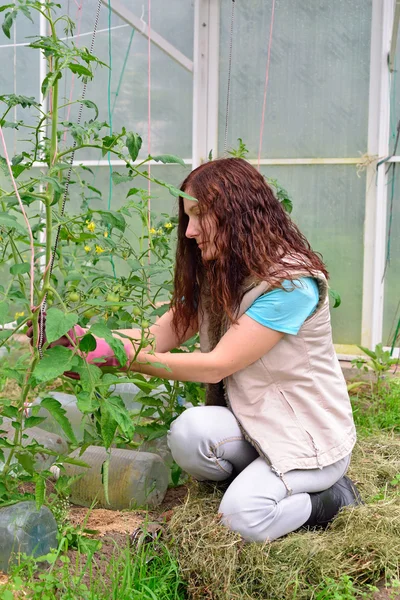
column 159, row 232
column 168, row 225
column 99, row 249
column 18, row 314
column 153, row 231
column 105, row 233
column 87, row 248
column 90, row 226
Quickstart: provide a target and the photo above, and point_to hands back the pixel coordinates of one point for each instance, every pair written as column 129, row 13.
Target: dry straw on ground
column 363, row 543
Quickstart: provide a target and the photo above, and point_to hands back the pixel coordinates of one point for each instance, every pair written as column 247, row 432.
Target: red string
column 266, row 82
column 149, row 110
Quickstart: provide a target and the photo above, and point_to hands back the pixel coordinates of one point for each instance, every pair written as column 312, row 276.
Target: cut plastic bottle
column 25, row 530
column 136, row 479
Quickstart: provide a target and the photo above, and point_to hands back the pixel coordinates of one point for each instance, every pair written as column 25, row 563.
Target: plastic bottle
column 51, row 441
column 24, row 529
column 136, row 479
column 79, row 422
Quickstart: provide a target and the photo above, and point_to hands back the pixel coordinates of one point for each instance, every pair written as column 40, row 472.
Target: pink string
column 78, row 19
column 32, row 246
column 149, row 111
column 266, row 82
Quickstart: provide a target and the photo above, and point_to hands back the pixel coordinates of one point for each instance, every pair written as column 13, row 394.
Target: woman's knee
column 240, row 513
column 193, row 437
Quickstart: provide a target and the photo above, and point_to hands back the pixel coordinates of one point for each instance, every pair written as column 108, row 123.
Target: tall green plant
column 81, row 285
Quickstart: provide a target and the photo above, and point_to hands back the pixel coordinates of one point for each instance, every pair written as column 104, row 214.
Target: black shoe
column 326, row 504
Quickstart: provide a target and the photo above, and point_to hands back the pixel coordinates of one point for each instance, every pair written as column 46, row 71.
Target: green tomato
column 91, row 312
column 112, row 298
column 49, row 301
column 115, row 308
column 145, row 324
column 137, row 311
column 74, row 296
column 96, row 292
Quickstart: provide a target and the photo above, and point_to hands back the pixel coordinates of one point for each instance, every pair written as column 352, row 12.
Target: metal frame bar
column 126, row 15
column 376, row 191
column 205, row 80
column 395, row 30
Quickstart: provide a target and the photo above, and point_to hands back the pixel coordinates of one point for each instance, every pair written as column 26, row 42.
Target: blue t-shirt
column 283, row 310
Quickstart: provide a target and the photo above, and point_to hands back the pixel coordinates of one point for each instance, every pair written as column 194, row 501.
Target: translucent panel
column 173, row 20
column 317, row 96
column 391, row 313
column 171, row 86
column 329, row 209
column 19, row 75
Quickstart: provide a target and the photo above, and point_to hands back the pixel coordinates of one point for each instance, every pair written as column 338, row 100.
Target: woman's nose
column 191, row 230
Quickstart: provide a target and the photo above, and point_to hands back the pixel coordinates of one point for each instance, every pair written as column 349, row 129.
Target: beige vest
column 292, row 404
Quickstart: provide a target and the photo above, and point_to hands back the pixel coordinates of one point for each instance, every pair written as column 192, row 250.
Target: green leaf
column 80, row 70
column 4, row 308
column 54, row 407
column 86, row 403
column 20, row 268
column 53, row 364
column 10, row 222
column 336, row 298
column 132, row 192
column 168, row 159
column 287, row 205
column 73, row 276
column 105, row 467
column 88, row 343
column 118, row 411
column 27, row 461
column 58, row 324
column 25, row 101
column 10, row 411
column 33, row 421
column 90, row 104
column 95, row 190
column 8, row 22
column 49, row 81
column 40, row 492
column 101, row 330
column 108, row 426
column 133, row 143
column 368, row 352
column 117, row 178
column 160, row 310
column 113, row 219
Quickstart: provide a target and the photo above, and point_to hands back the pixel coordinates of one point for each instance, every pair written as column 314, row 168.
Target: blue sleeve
column 286, row 309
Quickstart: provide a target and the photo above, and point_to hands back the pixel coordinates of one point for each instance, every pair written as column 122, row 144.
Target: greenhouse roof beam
column 395, row 30
column 137, row 23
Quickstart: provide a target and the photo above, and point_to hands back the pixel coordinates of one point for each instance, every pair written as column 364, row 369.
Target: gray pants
column 207, row 443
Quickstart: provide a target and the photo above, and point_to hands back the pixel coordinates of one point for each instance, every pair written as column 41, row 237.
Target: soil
column 106, row 522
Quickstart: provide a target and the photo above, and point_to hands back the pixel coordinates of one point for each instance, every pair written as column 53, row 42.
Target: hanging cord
column 110, row 124
column 271, row 29
column 392, row 166
column 228, row 91
column 149, row 122
column 66, row 188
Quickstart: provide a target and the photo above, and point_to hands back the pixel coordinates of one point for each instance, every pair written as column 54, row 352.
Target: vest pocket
column 293, row 415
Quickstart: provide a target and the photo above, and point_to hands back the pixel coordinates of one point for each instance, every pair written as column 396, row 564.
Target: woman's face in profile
column 203, row 232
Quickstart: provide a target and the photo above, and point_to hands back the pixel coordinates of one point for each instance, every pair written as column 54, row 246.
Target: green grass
column 377, row 411
column 149, row 573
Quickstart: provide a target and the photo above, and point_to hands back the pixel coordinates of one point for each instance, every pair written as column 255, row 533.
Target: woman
column 277, row 420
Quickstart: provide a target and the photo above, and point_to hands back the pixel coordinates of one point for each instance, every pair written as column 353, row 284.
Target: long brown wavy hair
column 254, row 237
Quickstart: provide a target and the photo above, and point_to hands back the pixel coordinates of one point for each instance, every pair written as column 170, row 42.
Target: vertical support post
column 376, row 192
column 205, row 80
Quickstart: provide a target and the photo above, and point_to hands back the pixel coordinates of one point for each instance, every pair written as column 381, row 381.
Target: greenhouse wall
column 310, row 94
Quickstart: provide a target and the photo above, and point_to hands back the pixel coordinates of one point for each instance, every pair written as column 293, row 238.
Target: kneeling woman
column 277, row 420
